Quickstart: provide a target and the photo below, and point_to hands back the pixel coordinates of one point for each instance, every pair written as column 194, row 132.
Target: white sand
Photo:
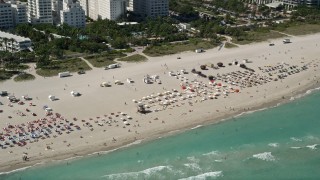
column 97, row 101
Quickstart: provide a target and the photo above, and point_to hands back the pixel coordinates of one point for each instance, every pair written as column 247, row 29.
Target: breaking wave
column 313, row 147
column 139, row 174
column 266, row 156
column 273, row 144
column 204, row 176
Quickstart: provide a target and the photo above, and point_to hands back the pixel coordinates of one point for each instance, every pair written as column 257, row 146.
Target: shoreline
column 178, row 119
column 300, row 93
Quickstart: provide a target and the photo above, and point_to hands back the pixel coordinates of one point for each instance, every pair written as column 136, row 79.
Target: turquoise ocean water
column 277, row 143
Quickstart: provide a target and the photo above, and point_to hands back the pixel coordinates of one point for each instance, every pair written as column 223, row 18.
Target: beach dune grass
column 57, row 66
column 24, row 77
column 167, row 49
column 302, row 29
column 5, row 74
column 259, row 36
column 134, row 58
column 230, row 45
column 102, row 60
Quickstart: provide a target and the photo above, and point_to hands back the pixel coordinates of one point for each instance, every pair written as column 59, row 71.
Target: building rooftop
column 15, row 37
column 127, row 23
column 274, row 4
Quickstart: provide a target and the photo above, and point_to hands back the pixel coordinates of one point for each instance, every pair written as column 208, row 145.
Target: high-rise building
column 85, row 6
column 151, row 8
column 19, row 11
column 130, row 5
column 6, row 16
column 111, row 9
column 93, row 10
column 40, row 11
column 72, row 14
column 104, row 9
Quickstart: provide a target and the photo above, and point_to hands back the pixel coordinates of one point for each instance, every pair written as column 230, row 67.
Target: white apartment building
column 57, row 5
column 111, row 9
column 151, row 8
column 260, row 1
column 6, row 17
column 130, row 5
column 93, row 9
column 13, row 43
column 292, row 3
column 72, row 14
column 40, row 11
column 85, row 6
column 104, row 9
column 288, row 3
column 19, row 11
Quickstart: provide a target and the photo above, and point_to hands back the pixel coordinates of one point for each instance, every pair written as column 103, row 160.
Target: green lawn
column 134, row 58
column 302, row 29
column 103, row 59
column 167, row 49
column 256, row 37
column 230, row 45
column 24, row 77
column 57, row 66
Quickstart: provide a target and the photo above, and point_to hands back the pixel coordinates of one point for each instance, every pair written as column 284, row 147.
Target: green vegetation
column 24, row 77
column 159, row 34
column 57, row 66
column 104, row 59
column 5, row 75
column 230, row 45
column 302, row 29
column 254, row 36
column 167, row 49
column 134, row 58
column 16, row 66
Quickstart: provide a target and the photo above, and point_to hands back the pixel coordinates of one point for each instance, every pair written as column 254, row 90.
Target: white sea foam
column 273, row 144
column 313, row 147
column 193, row 166
column 71, row 158
column 16, row 170
column 306, row 93
column 147, row 172
column 295, row 139
column 133, row 143
column 266, row 156
column 249, row 112
column 193, row 159
column 295, row 147
column 218, row 160
column 204, row 176
column 196, row 127
column 212, row 153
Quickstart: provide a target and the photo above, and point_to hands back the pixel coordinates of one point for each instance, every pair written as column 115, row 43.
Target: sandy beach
column 105, row 118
